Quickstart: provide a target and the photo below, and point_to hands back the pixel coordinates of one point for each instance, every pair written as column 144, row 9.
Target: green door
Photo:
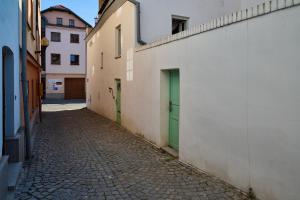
column 118, row 101
column 174, row 108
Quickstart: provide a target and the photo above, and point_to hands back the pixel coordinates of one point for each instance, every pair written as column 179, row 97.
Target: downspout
column 138, row 22
column 138, row 16
column 24, row 80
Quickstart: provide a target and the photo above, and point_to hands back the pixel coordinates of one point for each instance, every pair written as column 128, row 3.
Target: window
column 74, row 59
column 118, row 42
column 55, row 59
column 74, row 38
column 102, row 60
column 55, row 37
column 71, row 22
column 59, row 21
column 179, row 24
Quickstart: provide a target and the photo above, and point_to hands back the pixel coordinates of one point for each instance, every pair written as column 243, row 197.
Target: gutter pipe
column 24, row 80
column 138, row 22
column 138, row 15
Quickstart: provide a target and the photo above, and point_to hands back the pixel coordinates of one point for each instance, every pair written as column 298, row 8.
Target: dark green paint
column 118, row 101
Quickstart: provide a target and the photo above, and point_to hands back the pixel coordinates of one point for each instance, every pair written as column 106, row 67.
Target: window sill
column 118, row 57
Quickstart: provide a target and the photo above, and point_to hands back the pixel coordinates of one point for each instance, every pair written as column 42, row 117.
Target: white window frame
column 182, row 18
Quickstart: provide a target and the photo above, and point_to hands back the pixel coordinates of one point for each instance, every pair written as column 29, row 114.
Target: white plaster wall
column 156, row 21
column 9, row 36
column 65, row 48
column 251, row 3
column 240, row 101
column 99, row 80
column 240, row 110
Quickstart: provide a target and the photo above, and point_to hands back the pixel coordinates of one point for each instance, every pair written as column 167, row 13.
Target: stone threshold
column 170, row 151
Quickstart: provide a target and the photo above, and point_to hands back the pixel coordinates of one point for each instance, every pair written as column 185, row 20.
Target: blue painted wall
column 9, row 37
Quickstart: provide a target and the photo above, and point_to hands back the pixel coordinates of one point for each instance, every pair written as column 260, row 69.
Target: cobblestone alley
column 81, row 155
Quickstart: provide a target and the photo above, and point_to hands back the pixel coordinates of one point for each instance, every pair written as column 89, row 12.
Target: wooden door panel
column 74, row 88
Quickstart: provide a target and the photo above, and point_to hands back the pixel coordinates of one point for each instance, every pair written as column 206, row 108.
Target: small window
column 179, row 24
column 74, row 59
column 59, row 21
column 118, row 41
column 55, row 37
column 102, row 60
column 71, row 22
column 55, row 59
column 74, row 38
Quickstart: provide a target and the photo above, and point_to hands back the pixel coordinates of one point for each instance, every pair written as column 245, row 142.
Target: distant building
column 65, row 58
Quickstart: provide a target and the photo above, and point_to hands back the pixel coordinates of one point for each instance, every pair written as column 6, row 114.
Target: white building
column 223, row 94
column 66, row 55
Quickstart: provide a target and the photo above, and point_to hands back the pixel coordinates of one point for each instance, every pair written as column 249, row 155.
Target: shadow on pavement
column 63, row 101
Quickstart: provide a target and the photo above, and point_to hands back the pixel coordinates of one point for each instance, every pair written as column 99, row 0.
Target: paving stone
column 81, row 155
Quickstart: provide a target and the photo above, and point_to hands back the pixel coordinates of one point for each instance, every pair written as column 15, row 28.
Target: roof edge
column 67, row 10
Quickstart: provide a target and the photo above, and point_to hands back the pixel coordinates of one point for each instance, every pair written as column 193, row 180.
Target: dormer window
column 179, row 24
column 71, row 22
column 59, row 21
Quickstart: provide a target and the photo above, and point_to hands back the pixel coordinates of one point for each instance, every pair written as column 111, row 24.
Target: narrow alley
column 81, row 155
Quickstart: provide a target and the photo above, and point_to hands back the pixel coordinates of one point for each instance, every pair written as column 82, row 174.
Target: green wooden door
column 174, row 108
column 118, row 101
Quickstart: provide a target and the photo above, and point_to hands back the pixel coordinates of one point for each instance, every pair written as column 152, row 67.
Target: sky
column 86, row 9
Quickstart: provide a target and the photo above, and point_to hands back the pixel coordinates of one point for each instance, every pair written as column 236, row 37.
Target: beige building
column 65, row 58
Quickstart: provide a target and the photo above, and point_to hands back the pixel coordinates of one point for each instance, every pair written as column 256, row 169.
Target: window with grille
column 71, row 22
column 59, row 21
column 74, row 38
column 55, row 37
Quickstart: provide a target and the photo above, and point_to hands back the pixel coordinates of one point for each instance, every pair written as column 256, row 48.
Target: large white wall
column 240, row 108
column 240, row 96
column 9, row 36
column 251, row 3
column 65, row 48
column 156, row 21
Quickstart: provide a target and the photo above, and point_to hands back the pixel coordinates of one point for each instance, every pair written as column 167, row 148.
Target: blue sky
column 86, row 9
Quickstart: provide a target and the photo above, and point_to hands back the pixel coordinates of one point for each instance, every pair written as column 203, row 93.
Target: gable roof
column 62, row 8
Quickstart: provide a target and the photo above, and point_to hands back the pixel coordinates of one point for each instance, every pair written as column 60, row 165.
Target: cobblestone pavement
column 81, row 155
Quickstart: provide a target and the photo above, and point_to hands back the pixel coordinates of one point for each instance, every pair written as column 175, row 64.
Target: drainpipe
column 24, row 80
column 138, row 22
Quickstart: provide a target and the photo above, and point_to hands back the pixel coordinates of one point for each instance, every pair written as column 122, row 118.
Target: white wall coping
column 235, row 17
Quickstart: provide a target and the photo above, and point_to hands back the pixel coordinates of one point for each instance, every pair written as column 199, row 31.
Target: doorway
column 74, row 88
column 8, row 94
column 118, row 101
column 174, row 108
